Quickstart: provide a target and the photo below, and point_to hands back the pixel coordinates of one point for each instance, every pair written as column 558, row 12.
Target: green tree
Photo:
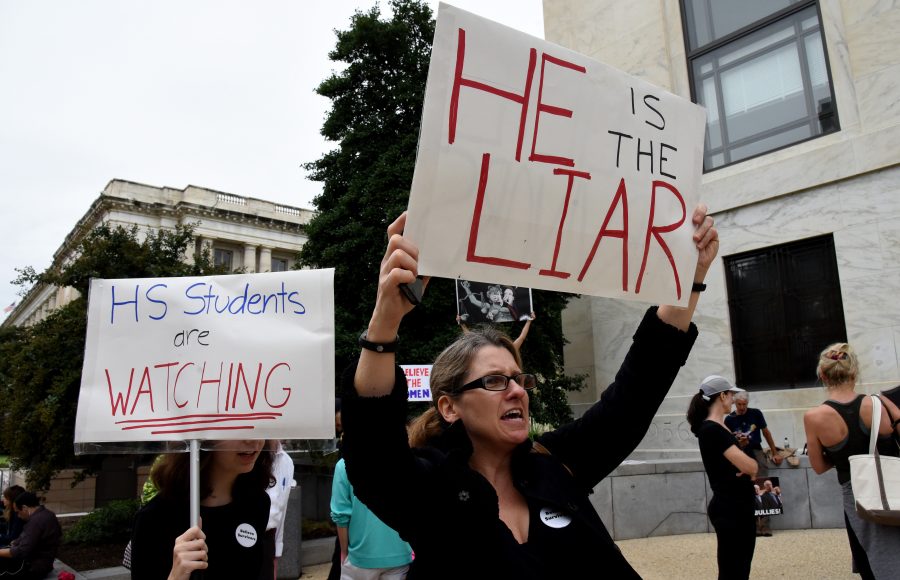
column 374, row 120
column 40, row 365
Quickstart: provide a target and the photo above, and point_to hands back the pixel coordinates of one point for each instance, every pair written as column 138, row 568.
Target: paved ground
column 794, row 554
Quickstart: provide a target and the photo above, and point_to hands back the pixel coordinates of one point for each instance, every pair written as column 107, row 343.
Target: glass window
column 279, row 265
column 785, row 307
column 223, row 258
column 709, row 20
column 761, row 73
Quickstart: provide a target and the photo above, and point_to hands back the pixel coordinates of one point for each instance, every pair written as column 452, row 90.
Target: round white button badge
column 555, row 519
column 246, row 535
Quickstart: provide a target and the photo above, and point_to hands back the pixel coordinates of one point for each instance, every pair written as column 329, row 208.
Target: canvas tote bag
column 876, row 479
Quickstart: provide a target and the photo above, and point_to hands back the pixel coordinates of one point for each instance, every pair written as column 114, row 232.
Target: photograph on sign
column 478, row 302
column 243, row 356
column 768, row 496
column 542, row 168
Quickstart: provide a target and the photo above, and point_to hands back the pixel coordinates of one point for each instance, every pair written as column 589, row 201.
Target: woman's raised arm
column 706, row 237
column 375, row 372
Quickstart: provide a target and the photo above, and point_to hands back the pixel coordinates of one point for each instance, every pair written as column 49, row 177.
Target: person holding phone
column 467, row 487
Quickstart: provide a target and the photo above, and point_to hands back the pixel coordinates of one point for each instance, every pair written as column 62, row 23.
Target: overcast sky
column 213, row 93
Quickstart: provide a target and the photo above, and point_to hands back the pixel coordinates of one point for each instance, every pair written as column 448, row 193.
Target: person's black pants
column 860, row 559
column 735, row 537
column 19, row 569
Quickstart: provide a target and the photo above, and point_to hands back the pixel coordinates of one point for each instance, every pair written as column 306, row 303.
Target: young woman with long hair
column 14, row 524
column 234, row 511
column 731, row 471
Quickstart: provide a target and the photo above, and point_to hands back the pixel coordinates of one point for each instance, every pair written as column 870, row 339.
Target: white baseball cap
column 714, row 384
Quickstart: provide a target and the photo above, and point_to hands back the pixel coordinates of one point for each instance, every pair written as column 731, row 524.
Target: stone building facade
column 242, row 233
column 808, row 209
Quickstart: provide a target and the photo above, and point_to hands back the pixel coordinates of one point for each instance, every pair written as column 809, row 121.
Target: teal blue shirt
column 372, row 543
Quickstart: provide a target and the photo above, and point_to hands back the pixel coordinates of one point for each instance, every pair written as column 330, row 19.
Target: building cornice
column 181, row 206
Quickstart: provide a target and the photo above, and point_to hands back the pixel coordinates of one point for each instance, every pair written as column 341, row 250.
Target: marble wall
column 846, row 184
column 680, row 492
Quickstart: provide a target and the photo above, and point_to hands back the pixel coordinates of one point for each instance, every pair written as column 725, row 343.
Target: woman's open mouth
column 513, row 415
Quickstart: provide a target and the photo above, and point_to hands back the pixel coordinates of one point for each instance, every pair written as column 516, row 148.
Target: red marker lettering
column 621, row 194
column 115, row 401
column 174, row 400
column 476, row 224
column 145, row 380
column 205, row 381
column 459, row 81
column 550, row 109
column 285, row 389
column 562, row 220
column 653, row 230
column 241, row 376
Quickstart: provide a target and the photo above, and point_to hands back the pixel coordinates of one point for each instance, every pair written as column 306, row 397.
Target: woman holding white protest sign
column 468, row 489
column 234, row 511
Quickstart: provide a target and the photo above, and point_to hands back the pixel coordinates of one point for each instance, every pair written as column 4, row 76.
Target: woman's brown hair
column 171, row 475
column 11, row 493
column 447, row 374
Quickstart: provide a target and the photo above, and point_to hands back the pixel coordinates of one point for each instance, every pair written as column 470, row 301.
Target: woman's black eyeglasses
column 500, row 382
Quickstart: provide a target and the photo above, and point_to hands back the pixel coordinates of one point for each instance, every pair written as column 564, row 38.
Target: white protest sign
column 218, row 357
column 418, row 382
column 543, row 168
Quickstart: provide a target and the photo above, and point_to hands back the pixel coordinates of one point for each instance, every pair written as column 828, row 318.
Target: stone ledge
column 318, row 551
column 115, row 573
column 60, row 566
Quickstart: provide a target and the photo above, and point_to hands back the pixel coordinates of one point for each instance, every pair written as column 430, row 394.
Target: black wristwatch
column 698, row 287
column 378, row 346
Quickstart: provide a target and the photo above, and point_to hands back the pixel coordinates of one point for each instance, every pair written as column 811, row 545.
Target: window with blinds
column 761, row 70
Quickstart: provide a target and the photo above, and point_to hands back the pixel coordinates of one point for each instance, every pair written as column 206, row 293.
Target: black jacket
column 449, row 513
column 39, row 542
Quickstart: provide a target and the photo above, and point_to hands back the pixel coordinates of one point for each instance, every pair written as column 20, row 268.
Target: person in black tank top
column 857, row 439
column 731, row 473
column 839, row 428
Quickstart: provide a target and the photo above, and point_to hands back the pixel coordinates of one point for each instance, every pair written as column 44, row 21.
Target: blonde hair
column 447, row 374
column 838, row 364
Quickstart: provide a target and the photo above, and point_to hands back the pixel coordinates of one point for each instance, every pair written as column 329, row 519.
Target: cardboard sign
column 418, row 381
column 219, row 357
column 478, row 302
column 540, row 167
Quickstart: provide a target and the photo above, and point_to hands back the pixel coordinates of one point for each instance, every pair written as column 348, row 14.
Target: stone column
column 190, row 252
column 265, row 259
column 206, row 244
column 250, row 258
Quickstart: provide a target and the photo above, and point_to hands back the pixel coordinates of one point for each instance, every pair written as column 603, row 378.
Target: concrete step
column 318, row 551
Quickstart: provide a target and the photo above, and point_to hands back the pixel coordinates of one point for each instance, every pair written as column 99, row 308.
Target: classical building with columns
column 242, row 233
